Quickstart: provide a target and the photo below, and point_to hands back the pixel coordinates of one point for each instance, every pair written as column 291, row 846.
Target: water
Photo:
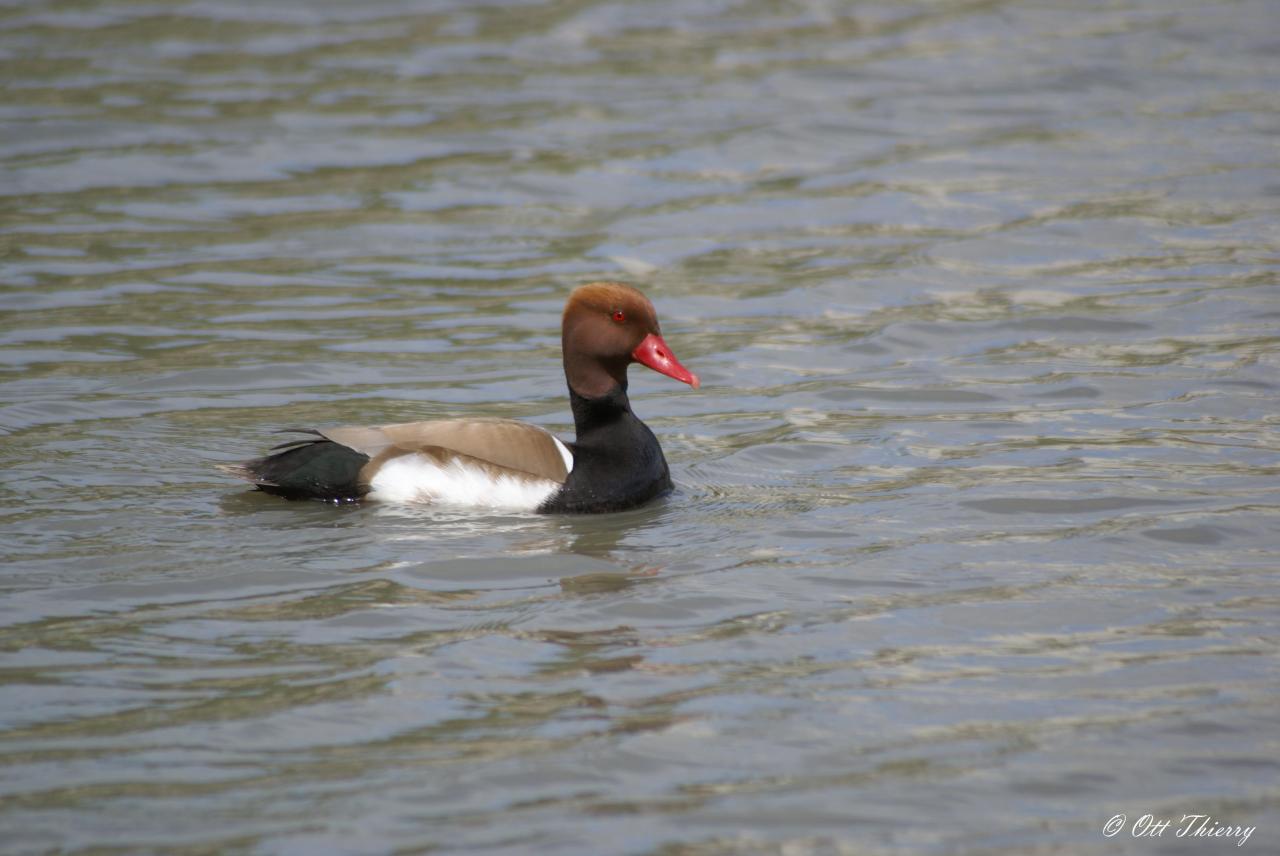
column 974, row 542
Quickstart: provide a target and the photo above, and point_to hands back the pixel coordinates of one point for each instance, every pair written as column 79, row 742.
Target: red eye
column 618, row 316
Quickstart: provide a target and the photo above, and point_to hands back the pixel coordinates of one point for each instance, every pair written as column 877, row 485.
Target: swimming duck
column 614, row 463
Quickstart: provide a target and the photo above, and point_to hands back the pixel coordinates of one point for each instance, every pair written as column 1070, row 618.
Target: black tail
column 307, row 469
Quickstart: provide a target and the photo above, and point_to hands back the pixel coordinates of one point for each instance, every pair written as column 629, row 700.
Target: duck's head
column 606, row 327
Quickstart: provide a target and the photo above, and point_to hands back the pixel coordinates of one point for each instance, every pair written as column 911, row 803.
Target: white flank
column 418, row 478
column 564, row 453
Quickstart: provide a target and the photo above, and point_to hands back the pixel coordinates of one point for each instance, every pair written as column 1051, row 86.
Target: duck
column 614, row 463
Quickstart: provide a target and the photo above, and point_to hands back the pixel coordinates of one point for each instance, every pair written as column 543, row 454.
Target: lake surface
column 975, row 542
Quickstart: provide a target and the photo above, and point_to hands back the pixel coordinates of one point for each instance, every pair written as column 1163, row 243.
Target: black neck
column 591, row 415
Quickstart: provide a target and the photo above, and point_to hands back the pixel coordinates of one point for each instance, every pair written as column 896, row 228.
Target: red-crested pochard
column 615, row 462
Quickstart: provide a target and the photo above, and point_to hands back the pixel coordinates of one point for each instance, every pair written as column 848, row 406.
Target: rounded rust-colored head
column 606, row 327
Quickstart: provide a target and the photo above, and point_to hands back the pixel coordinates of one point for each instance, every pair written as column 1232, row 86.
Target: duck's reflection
column 584, row 553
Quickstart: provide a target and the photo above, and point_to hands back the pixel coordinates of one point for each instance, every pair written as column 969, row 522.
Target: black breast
column 617, row 462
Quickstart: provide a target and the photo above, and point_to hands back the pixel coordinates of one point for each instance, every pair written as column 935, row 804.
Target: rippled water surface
column 974, row 544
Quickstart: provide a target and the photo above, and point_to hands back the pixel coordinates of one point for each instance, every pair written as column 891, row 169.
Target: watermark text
column 1189, row 826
